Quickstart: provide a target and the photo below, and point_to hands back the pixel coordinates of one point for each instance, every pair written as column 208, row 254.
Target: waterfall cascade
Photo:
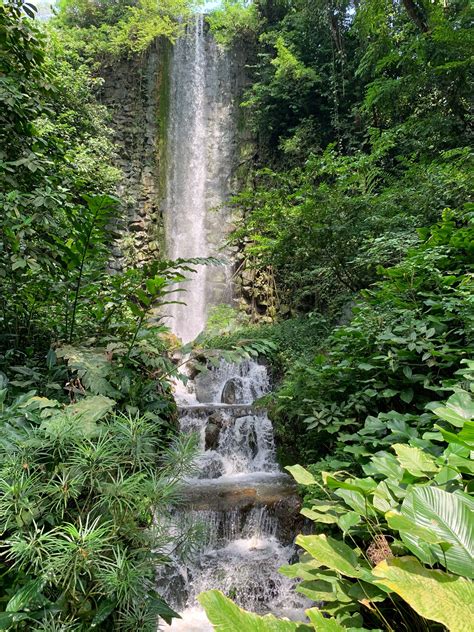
column 238, row 492
column 201, row 142
column 241, row 497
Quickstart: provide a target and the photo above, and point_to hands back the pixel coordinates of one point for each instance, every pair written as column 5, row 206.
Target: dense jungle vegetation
column 356, row 243
column 357, row 238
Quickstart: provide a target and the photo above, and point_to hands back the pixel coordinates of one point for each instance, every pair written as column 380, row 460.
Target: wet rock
column 287, row 511
column 205, row 385
column 252, row 442
column 217, row 418
column 232, row 391
column 212, row 436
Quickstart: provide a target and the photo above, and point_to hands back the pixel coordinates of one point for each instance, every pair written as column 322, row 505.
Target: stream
column 247, row 505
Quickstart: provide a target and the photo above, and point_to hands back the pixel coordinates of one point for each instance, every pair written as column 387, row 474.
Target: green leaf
column 91, row 408
column 227, row 617
column 303, row 570
column 362, row 485
column 163, row 610
column 464, row 438
column 301, row 475
column 348, row 520
column 383, row 499
column 331, row 553
column 324, row 518
column 459, row 409
column 356, row 501
column 321, row 623
column 322, row 590
column 433, row 594
column 384, row 465
column 7, row 619
column 414, row 460
column 401, row 522
column 449, row 518
column 451, row 437
column 28, row 593
column 106, row 607
column 92, row 366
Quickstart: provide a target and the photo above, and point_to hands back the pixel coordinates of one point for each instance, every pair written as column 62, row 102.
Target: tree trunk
column 416, row 14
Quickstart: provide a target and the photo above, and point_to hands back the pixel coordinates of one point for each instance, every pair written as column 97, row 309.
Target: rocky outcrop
column 134, row 91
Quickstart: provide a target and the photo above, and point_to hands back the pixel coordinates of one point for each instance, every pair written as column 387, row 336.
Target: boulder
column 212, row 436
column 232, row 391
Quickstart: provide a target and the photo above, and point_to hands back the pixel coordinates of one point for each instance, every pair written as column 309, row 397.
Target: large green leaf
column 104, row 610
column 225, row 616
column 465, row 437
column 414, row 460
column 93, row 368
column 324, row 591
column 301, row 476
column 303, row 570
column 92, row 408
column 401, row 522
column 435, row 595
column 384, row 464
column 28, row 594
column 321, row 623
column 332, row 553
column 459, row 409
column 362, row 485
column 447, row 518
column 356, row 501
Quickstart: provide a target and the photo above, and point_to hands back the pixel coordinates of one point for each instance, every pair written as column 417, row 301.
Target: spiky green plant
column 85, row 504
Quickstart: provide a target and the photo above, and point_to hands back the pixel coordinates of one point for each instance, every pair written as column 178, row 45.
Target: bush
column 404, row 557
column 409, row 333
column 86, row 495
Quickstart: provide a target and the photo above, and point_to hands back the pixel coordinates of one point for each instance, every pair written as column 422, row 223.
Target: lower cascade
column 246, row 505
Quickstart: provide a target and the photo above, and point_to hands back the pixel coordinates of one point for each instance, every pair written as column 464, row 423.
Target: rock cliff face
column 134, row 92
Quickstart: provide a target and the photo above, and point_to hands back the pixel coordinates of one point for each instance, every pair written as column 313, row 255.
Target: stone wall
column 134, row 92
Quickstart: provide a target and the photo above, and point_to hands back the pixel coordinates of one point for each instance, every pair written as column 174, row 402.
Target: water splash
column 231, row 442
column 240, row 557
column 233, row 495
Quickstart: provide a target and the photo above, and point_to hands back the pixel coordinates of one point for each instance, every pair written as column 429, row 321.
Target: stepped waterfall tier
column 238, row 493
column 201, row 141
column 247, row 505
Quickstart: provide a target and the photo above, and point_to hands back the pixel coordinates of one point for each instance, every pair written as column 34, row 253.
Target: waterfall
column 238, row 492
column 199, row 160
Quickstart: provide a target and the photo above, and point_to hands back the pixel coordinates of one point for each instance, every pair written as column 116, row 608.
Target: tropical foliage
column 105, row 29
column 80, row 538
column 356, row 241
column 401, row 546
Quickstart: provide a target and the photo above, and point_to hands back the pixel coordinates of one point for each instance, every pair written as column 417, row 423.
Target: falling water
column 200, row 154
column 238, row 491
column 240, row 495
